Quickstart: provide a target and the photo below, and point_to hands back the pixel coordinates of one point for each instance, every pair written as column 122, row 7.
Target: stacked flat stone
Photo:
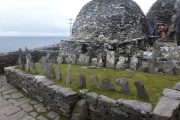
column 58, row 98
column 110, row 21
column 105, row 108
column 161, row 11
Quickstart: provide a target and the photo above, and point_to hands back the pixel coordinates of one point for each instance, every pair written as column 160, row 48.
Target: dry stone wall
column 85, row 104
column 161, row 11
column 58, row 98
column 110, row 21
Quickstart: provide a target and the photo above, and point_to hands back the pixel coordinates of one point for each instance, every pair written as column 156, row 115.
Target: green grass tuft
column 154, row 82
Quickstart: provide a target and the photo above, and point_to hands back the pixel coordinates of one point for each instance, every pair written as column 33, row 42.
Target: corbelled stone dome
column 161, row 11
column 110, row 20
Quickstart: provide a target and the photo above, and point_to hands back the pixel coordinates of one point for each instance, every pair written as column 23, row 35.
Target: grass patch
column 154, row 82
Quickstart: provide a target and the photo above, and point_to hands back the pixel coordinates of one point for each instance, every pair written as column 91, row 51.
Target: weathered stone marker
column 141, row 92
column 80, row 111
column 59, row 73
column 50, row 71
column 96, row 82
column 21, row 61
column 29, row 63
column 68, row 77
column 82, row 81
column 108, row 85
column 124, row 86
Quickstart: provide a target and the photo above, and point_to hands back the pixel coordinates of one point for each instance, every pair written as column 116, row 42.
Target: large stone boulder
column 110, row 21
column 161, row 11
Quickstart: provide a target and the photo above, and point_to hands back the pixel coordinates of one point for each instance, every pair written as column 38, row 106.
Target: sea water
column 10, row 44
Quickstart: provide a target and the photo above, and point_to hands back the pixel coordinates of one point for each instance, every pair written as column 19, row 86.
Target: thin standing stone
column 141, row 91
column 68, row 78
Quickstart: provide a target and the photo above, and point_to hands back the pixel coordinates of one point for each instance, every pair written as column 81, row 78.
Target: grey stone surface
column 141, row 91
column 177, row 86
column 124, row 85
column 68, row 77
column 136, row 105
column 108, row 85
column 30, row 64
column 19, row 107
column 96, row 82
column 82, row 81
column 166, row 109
column 110, row 21
column 80, row 111
column 59, row 73
column 161, row 11
column 49, row 70
column 174, row 94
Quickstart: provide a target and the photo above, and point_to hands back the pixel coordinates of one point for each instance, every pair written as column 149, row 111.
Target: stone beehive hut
column 161, row 11
column 110, row 21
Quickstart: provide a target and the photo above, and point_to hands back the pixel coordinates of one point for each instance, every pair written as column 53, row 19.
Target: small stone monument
column 21, row 62
column 50, row 71
column 123, row 82
column 59, row 74
column 82, row 81
column 96, row 82
column 68, row 77
column 30, row 64
column 141, row 92
column 108, row 85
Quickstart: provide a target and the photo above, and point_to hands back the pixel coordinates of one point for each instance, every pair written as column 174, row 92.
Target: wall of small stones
column 58, row 98
column 10, row 59
column 89, row 105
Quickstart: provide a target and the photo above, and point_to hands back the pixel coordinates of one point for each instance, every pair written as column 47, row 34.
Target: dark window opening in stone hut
column 84, row 48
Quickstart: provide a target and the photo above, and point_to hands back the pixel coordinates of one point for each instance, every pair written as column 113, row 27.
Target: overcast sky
column 43, row 17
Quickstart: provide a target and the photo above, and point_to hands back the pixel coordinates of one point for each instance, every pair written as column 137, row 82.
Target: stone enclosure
column 94, row 106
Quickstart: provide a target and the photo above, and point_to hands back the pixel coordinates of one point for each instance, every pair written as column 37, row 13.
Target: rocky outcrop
column 161, row 11
column 110, row 21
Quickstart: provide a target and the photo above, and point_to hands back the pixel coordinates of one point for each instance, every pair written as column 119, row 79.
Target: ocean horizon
column 13, row 43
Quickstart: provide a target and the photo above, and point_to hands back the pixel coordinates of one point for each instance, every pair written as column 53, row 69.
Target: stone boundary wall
column 70, row 103
column 58, row 98
column 10, row 59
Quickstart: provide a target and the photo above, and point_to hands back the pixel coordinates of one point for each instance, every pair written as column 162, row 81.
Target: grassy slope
column 154, row 82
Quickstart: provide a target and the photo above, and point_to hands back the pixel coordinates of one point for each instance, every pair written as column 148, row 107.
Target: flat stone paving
column 14, row 105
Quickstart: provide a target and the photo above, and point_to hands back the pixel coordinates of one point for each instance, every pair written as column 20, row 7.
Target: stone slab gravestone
column 141, row 91
column 108, row 85
column 59, row 73
column 82, row 81
column 68, row 77
column 123, row 82
column 96, row 82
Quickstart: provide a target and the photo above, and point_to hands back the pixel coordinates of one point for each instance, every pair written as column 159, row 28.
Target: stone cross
column 68, row 77
column 141, row 91
column 108, row 85
column 59, row 73
column 82, row 81
column 96, row 82
column 124, row 86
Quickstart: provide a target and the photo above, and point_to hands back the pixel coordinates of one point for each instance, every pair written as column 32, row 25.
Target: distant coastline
column 13, row 43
